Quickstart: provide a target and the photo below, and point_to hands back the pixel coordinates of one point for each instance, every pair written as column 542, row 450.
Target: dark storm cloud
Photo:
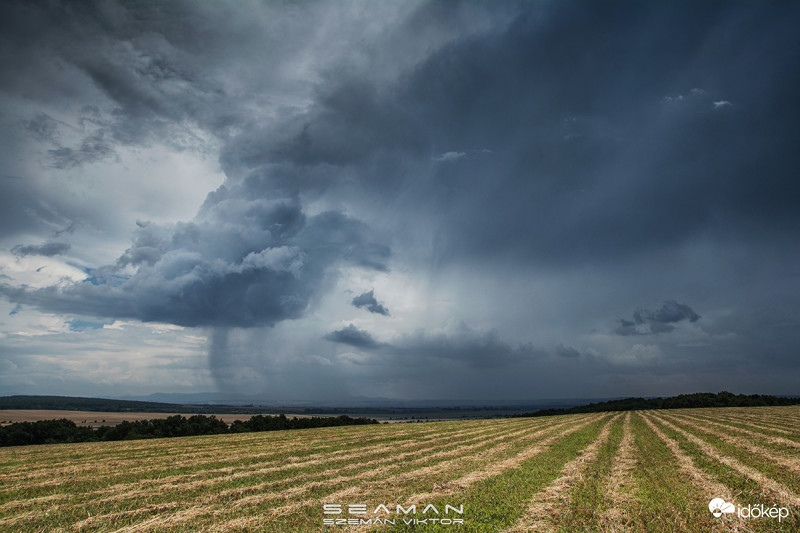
column 246, row 260
column 119, row 48
column 559, row 139
column 81, row 80
column 598, row 147
column 251, row 256
column 458, row 344
column 661, row 320
column 762, row 334
column 462, row 344
column 147, row 73
column 48, row 249
column 353, row 336
column 367, row 300
column 670, row 312
column 622, row 151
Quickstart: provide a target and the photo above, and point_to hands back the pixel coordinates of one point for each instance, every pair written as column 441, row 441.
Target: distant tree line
column 682, row 401
column 64, row 431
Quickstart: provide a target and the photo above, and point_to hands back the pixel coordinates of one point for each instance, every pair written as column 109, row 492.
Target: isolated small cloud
column 367, row 301
column 671, row 312
column 48, row 249
column 448, row 156
column 674, row 99
column 353, row 336
column 647, row 322
column 696, row 100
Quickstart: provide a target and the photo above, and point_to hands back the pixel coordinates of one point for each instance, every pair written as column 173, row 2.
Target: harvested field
column 639, row 471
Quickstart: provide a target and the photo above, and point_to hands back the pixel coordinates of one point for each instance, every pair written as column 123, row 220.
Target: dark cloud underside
column 353, row 336
column 48, row 249
column 367, row 301
column 659, row 321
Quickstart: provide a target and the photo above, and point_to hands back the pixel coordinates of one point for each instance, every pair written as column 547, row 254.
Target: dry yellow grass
column 621, row 484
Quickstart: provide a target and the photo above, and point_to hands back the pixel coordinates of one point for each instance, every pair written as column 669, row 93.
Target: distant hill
column 68, row 403
column 722, row 399
column 682, row 401
column 207, row 402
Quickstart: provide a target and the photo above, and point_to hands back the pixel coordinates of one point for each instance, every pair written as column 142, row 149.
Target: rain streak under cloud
column 331, row 201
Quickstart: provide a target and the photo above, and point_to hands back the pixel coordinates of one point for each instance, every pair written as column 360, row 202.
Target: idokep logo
column 718, row 507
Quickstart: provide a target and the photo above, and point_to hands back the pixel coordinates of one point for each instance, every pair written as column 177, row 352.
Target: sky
column 332, row 201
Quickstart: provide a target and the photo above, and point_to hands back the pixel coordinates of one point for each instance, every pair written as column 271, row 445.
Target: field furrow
column 218, row 455
column 251, row 467
column 284, row 477
column 458, row 485
column 248, row 495
column 787, row 461
column 783, row 494
column 366, row 482
column 546, row 507
column 742, row 429
column 744, row 422
column 701, row 481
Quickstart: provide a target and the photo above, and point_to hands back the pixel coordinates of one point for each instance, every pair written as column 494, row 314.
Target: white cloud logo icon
column 718, row 506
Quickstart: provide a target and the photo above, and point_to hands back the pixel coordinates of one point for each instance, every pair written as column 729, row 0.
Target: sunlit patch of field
column 641, row 471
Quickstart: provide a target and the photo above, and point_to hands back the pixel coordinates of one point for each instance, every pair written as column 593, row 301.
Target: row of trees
column 682, row 401
column 62, row 431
